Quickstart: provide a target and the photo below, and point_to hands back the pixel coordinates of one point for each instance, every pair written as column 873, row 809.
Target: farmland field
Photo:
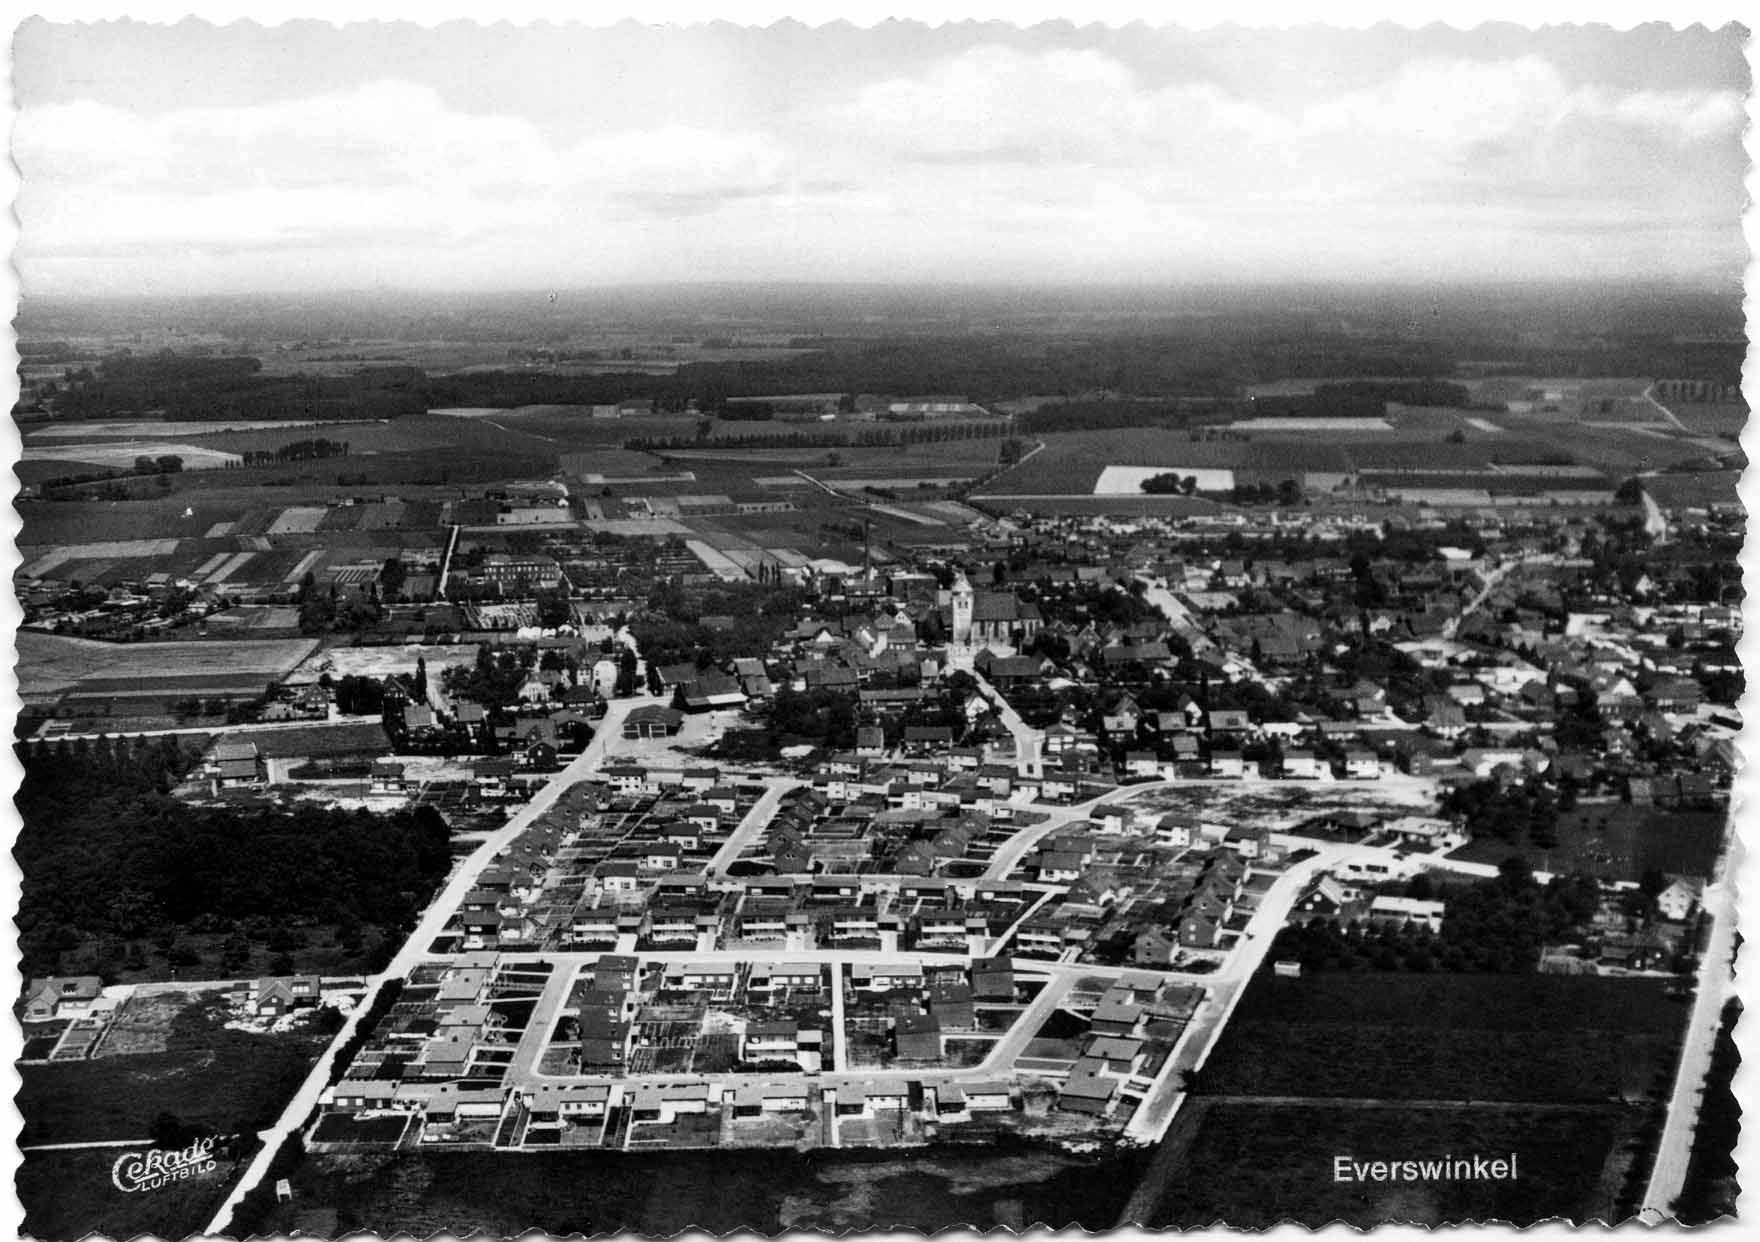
column 48, row 662
column 1385, row 1036
column 1694, row 490
column 1071, row 461
column 122, row 456
column 1255, row 1165
column 1722, row 419
column 70, row 524
column 1619, row 842
column 149, row 428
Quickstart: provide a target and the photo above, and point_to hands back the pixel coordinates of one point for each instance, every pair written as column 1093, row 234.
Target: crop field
column 122, row 456
column 1613, row 841
column 1255, row 1165
column 1071, row 461
column 397, row 435
column 1718, row 419
column 48, row 662
column 570, row 427
column 1694, row 490
column 1618, row 450
column 158, row 429
column 1386, row 1036
column 412, row 448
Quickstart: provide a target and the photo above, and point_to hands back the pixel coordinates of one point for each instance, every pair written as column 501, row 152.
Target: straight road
column 1669, row 1174
column 756, row 820
column 415, row 948
column 1029, row 743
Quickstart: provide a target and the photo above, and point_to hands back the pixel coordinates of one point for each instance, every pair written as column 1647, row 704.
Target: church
column 988, row 618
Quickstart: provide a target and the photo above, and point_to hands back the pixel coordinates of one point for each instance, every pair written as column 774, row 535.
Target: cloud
column 387, row 163
column 995, row 162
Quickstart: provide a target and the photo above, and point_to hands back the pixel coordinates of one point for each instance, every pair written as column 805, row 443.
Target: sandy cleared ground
column 1280, row 805
column 383, row 661
column 48, row 662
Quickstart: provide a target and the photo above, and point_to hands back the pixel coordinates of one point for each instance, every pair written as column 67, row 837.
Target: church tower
column 963, row 599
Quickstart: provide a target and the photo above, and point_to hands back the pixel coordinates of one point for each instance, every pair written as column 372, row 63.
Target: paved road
column 1029, row 743
column 1017, row 847
column 1224, row 990
column 1669, row 1174
column 756, row 820
column 415, row 948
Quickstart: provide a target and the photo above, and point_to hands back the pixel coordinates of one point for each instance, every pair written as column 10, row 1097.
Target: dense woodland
column 1496, row 925
column 110, row 858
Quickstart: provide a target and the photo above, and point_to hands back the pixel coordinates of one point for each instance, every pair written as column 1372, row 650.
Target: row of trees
column 314, row 449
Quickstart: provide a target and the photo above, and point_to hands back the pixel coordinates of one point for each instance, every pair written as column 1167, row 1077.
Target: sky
column 194, row 158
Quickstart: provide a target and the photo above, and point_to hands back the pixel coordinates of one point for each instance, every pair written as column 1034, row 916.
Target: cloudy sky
column 194, row 158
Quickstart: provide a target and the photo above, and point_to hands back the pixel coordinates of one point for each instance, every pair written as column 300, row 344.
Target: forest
column 1496, row 925
column 108, row 855
column 202, row 389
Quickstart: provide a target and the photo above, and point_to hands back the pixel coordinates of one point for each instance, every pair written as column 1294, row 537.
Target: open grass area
column 355, row 737
column 1381, row 1036
column 1614, row 841
column 230, row 1080
column 65, row 522
column 68, row 1194
column 1255, row 1165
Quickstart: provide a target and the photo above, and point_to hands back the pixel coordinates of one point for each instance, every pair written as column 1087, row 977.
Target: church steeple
column 963, row 598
